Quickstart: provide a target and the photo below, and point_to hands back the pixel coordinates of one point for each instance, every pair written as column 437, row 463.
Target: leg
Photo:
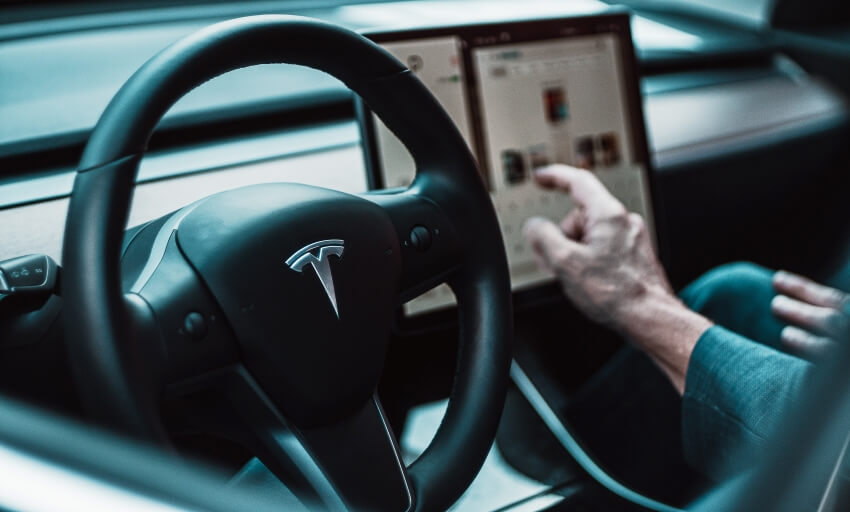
column 737, row 296
column 629, row 418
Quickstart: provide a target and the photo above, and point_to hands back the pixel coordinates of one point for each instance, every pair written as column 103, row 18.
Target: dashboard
column 719, row 134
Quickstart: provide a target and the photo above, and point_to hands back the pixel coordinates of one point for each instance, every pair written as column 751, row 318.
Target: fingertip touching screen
column 524, row 95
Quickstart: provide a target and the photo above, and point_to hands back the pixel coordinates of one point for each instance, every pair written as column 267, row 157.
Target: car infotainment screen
column 524, row 95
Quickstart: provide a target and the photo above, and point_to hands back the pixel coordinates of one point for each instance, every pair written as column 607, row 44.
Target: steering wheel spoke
column 352, row 464
column 193, row 333
column 431, row 250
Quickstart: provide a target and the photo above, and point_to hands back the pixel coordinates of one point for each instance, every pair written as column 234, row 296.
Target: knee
column 726, row 285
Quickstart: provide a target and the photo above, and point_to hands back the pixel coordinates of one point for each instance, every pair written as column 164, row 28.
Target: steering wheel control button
column 32, row 274
column 195, row 325
column 420, row 238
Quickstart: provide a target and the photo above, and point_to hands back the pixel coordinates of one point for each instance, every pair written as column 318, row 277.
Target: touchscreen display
column 522, row 105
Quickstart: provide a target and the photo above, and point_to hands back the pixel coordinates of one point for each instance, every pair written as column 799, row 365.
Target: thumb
column 552, row 247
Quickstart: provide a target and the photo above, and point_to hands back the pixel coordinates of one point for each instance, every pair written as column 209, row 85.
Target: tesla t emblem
column 320, row 263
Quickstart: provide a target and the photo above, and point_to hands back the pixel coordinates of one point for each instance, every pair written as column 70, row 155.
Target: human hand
column 601, row 253
column 819, row 316
column 603, row 257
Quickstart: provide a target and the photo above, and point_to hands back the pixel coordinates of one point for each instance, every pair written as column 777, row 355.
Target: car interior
column 269, row 255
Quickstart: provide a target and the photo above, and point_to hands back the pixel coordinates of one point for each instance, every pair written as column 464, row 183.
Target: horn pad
column 307, row 277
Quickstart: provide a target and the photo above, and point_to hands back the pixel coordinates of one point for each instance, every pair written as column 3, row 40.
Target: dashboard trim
column 212, row 156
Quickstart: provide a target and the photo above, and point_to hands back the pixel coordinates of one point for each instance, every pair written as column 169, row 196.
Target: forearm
column 662, row 326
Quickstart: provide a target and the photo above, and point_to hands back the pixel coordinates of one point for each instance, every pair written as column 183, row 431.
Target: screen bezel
column 488, row 34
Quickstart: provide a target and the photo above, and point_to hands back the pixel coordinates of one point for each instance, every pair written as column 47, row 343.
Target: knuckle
column 801, row 286
column 837, row 324
column 637, row 222
column 797, row 288
column 836, row 297
column 562, row 258
column 620, row 216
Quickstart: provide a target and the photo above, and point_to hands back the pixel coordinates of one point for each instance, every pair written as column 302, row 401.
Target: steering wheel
column 264, row 313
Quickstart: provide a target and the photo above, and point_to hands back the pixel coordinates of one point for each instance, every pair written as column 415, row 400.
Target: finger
column 573, row 224
column 550, row 244
column 804, row 343
column 806, row 290
column 587, row 191
column 817, row 319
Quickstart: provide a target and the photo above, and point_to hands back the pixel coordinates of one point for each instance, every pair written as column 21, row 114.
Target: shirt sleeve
column 736, row 391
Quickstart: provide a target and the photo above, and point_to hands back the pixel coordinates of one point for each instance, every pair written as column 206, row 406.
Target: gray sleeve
column 736, row 391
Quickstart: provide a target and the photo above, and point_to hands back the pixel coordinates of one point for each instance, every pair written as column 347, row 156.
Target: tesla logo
column 320, row 263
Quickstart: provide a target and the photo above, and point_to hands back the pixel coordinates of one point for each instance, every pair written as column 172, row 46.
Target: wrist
column 639, row 306
column 660, row 324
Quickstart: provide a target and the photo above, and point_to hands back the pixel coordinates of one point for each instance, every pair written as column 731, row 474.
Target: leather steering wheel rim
column 108, row 369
